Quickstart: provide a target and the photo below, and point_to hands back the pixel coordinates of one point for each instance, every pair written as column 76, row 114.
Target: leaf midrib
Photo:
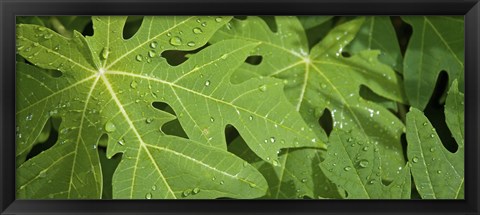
column 139, row 137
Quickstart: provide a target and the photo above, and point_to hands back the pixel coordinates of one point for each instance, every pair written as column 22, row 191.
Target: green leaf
column 63, row 25
column 437, row 44
column 322, row 79
column 438, row 173
column 107, row 86
column 297, row 176
column 377, row 33
column 354, row 164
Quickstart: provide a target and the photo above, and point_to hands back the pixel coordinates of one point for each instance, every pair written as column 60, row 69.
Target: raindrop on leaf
column 175, row 41
column 153, row 45
column 139, row 58
column 363, row 163
column 148, row 196
column 197, row 30
column 110, row 127
column 151, row 53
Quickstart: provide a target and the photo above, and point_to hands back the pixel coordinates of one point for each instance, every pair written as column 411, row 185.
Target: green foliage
column 222, row 107
column 437, row 44
column 438, row 173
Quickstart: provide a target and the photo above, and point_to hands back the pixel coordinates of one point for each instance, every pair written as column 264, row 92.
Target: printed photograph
column 240, row 107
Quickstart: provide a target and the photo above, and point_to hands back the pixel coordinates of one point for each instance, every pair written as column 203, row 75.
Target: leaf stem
column 58, row 26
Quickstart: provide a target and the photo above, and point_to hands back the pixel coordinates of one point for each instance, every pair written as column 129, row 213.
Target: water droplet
column 304, row 180
column 212, row 119
column 41, row 28
column 439, row 172
column 110, row 127
column 196, row 190
column 139, row 58
column 432, row 149
column 272, row 139
column 94, row 146
column 175, row 41
column 197, row 30
column 105, row 53
column 148, row 195
column 425, row 123
column 347, row 168
column 64, row 131
column 36, row 44
column 29, row 117
column 149, row 120
column 154, row 187
column 218, row 19
column 314, row 140
column 48, row 36
column 371, row 181
column 204, row 24
column 213, row 178
column 349, row 139
column 323, row 86
column 250, row 118
column 153, row 45
column 191, row 44
column 432, row 135
column 415, row 159
column 253, row 185
column 151, row 53
column 222, row 182
column 169, row 34
column 275, row 162
column 207, row 83
column 365, row 148
column 263, row 88
column 363, row 163
column 224, row 56
column 133, row 84
column 376, row 150
column 186, row 192
column 42, row 174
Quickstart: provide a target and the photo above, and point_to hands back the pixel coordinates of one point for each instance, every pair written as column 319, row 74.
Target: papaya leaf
column 438, row 173
column 354, row 163
column 322, row 79
column 377, row 33
column 437, row 44
column 63, row 25
column 298, row 176
column 107, row 87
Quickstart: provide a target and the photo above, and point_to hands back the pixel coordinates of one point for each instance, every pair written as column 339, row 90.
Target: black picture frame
column 11, row 8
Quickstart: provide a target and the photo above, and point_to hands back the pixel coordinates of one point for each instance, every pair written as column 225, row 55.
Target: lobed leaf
column 378, row 33
column 322, row 79
column 298, row 175
column 437, row 44
column 108, row 85
column 354, row 163
column 438, row 173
